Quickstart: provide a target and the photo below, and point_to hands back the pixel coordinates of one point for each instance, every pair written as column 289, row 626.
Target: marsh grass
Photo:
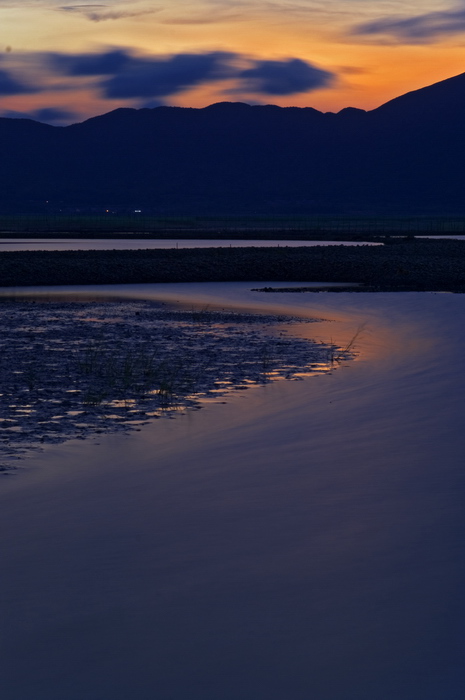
column 336, row 354
column 121, row 372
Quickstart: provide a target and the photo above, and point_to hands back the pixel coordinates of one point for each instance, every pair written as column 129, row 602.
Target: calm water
column 130, row 244
column 8, row 244
column 301, row 542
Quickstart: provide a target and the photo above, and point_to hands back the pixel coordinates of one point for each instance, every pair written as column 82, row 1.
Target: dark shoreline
column 402, row 265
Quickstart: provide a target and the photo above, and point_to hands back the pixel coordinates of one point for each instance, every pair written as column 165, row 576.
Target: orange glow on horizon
column 368, row 71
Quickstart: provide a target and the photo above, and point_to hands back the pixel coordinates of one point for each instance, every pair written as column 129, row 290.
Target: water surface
column 8, row 244
column 304, row 541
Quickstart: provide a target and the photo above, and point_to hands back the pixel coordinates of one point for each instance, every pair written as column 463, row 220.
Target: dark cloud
column 108, row 63
column 49, row 115
column 145, row 78
column 10, row 86
column 53, row 114
column 420, row 28
column 120, row 74
column 132, row 76
column 285, row 77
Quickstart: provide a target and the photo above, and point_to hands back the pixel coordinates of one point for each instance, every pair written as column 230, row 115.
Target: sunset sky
column 64, row 62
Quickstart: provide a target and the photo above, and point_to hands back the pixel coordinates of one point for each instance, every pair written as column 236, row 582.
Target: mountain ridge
column 233, row 158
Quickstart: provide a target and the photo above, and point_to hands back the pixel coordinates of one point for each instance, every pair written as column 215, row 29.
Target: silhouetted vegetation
column 404, row 264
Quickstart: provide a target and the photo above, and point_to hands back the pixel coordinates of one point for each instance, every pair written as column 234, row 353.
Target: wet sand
column 304, row 541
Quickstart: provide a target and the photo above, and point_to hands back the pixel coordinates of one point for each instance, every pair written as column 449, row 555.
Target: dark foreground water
column 303, row 541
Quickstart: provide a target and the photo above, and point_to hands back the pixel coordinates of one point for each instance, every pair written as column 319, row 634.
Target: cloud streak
column 427, row 27
column 101, row 13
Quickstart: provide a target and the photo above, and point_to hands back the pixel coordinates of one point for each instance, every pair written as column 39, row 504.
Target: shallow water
column 73, row 368
column 304, row 541
column 8, row 244
column 206, row 295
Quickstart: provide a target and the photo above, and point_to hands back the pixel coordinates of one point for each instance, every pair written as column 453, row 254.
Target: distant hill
column 407, row 156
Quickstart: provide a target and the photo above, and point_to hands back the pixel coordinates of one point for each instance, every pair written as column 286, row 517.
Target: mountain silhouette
column 405, row 157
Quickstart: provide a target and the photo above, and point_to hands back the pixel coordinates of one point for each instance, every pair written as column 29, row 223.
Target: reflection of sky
column 62, row 61
column 9, row 244
column 302, row 542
